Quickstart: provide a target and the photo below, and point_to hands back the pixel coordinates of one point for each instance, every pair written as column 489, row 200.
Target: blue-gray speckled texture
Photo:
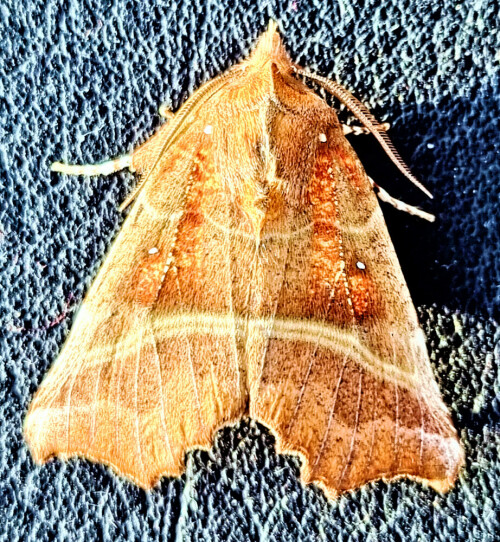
column 81, row 81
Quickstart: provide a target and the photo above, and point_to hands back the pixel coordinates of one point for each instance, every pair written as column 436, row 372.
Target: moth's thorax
column 277, row 143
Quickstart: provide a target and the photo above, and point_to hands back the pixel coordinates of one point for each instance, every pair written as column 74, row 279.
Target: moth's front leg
column 104, row 168
column 109, row 166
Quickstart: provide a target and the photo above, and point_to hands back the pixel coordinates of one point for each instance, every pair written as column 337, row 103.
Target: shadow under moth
column 254, row 276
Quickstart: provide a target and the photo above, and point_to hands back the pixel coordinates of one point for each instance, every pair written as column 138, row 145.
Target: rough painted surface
column 83, row 82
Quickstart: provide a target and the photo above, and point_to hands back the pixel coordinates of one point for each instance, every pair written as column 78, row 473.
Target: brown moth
column 254, row 276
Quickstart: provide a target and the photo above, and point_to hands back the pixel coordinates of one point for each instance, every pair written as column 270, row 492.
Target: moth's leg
column 108, row 167
column 165, row 112
column 400, row 205
column 104, row 168
column 357, row 130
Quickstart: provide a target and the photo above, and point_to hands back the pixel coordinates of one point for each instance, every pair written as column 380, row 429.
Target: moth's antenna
column 362, row 113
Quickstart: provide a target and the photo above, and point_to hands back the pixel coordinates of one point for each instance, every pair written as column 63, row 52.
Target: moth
column 253, row 276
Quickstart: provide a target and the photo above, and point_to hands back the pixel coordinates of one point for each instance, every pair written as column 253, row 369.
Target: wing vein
column 162, row 402
column 373, row 424
column 231, row 307
column 118, row 404
column 330, row 415
column 396, row 426
column 190, row 356
column 136, row 399
column 94, row 408
column 68, row 402
column 422, row 433
column 355, row 430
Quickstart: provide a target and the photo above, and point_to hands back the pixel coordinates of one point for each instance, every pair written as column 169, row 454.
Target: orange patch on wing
column 321, row 190
column 363, row 295
column 326, row 258
column 148, row 278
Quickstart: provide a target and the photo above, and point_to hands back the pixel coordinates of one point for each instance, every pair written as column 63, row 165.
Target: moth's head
column 270, row 50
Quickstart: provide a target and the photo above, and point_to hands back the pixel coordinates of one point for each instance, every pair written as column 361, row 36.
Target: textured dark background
column 82, row 81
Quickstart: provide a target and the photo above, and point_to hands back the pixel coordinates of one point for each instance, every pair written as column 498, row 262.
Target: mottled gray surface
column 82, row 81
